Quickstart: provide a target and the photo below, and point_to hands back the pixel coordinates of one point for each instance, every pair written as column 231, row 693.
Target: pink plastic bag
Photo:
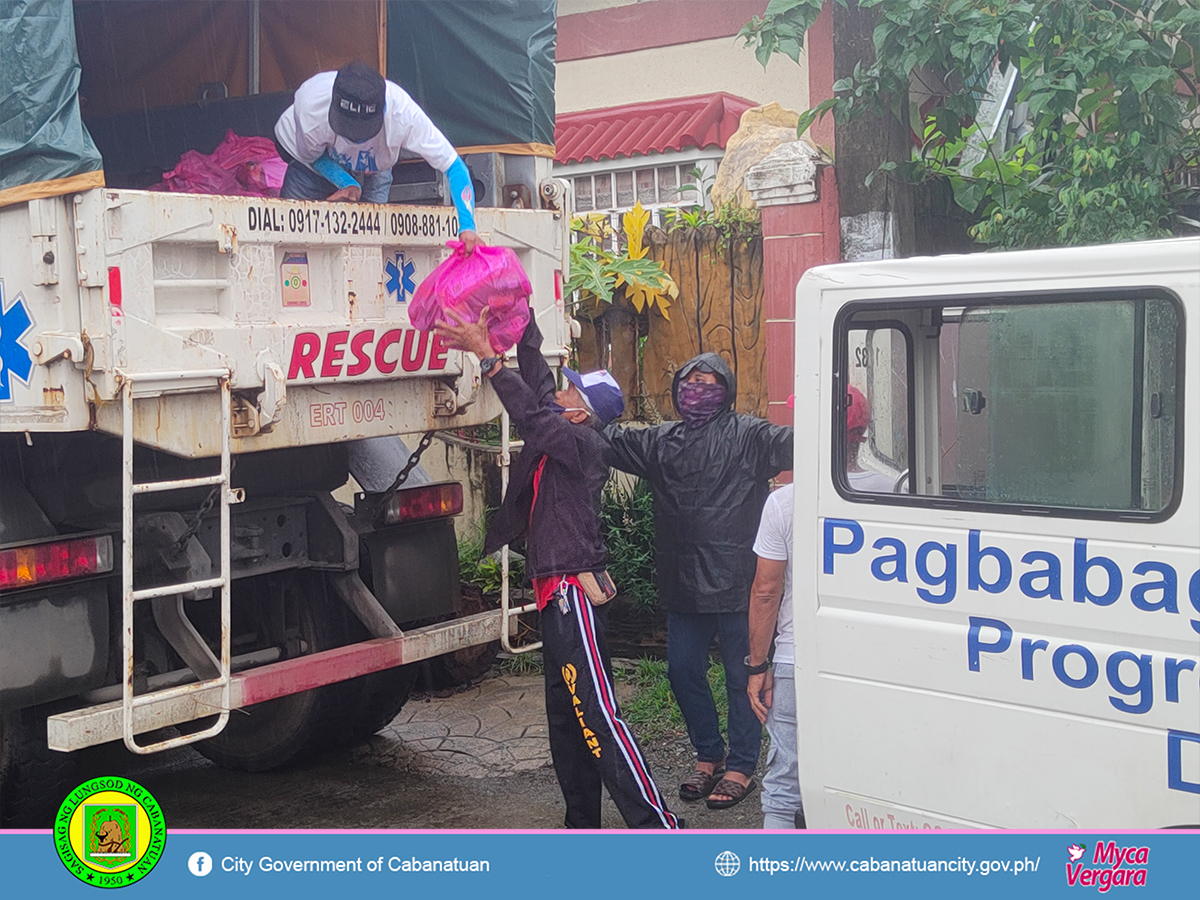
column 490, row 277
column 239, row 166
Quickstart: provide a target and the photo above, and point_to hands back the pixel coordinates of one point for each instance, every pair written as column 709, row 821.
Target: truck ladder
column 508, row 612
column 200, row 692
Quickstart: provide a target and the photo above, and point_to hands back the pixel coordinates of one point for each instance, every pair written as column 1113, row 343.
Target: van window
column 876, row 411
column 1054, row 402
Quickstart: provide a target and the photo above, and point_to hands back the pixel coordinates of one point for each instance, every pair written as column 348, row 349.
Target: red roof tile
column 636, row 129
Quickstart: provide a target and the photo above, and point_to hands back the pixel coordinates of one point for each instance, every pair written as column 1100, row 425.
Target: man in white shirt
column 772, row 685
column 344, row 131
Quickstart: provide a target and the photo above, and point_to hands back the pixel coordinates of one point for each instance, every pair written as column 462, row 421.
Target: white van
column 999, row 625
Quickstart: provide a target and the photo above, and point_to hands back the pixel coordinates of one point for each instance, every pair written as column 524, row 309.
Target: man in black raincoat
column 709, row 475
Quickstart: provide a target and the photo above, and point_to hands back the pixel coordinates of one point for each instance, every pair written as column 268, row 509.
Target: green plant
column 652, row 709
column 601, row 273
column 701, row 185
column 627, row 521
column 519, row 664
column 1110, row 150
column 731, row 221
column 484, row 571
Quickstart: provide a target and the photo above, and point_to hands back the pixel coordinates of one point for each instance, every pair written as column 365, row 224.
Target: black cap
column 356, row 109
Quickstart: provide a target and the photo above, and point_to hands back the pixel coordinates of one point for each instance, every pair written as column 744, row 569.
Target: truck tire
column 375, row 699
column 34, row 780
column 471, row 663
column 378, row 698
column 272, row 734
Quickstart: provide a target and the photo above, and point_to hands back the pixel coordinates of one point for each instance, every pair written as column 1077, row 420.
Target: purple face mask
column 699, row 402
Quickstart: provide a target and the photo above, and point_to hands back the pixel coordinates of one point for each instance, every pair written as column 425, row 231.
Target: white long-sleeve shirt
column 304, row 131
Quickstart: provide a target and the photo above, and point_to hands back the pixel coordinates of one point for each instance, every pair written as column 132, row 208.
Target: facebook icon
column 200, row 864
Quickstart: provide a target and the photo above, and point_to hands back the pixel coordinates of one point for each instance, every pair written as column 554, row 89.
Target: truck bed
column 303, row 304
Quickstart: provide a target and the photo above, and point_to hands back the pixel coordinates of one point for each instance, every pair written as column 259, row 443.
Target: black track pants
column 589, row 741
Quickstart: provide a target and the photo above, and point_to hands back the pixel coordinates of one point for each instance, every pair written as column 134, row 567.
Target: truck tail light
column 34, row 564
column 115, row 297
column 429, row 501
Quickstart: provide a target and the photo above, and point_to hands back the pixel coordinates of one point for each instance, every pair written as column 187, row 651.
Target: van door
column 1004, row 629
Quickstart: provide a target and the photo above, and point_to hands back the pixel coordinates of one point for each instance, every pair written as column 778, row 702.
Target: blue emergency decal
column 400, row 273
column 15, row 361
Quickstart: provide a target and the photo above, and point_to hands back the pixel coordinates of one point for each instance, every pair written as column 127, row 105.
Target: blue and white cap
column 600, row 392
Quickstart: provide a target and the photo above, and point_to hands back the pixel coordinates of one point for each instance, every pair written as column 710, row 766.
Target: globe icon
column 728, row 863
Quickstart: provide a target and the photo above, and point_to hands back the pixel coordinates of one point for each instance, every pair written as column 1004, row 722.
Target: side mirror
column 973, row 401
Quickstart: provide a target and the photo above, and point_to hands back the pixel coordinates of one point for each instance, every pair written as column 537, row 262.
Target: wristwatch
column 757, row 670
column 486, row 365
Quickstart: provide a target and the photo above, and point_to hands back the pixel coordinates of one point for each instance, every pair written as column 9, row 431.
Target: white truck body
column 207, row 283
column 1016, row 642
column 151, row 342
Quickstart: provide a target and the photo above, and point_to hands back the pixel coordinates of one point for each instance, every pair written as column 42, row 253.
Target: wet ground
column 478, row 758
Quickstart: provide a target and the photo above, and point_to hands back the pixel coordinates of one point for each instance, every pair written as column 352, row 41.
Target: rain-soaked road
column 475, row 759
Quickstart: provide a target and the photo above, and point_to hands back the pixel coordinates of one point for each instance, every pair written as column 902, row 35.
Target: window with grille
column 651, row 186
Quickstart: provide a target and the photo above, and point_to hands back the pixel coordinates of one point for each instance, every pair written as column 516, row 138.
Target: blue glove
column 463, row 194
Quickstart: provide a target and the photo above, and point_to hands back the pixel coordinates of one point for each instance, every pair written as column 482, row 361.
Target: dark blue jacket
column 564, row 534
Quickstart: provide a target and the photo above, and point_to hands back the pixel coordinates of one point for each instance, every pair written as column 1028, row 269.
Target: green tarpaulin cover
column 483, row 71
column 42, row 138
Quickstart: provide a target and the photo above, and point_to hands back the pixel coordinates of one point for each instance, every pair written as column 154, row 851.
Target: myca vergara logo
column 110, row 832
column 1110, row 866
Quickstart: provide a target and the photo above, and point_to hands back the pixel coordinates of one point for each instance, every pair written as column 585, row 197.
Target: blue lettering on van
column 1175, row 741
column 1084, row 566
column 849, row 548
column 1194, row 596
column 1130, row 676
column 1051, row 575
column 975, row 646
column 1097, row 579
column 975, row 555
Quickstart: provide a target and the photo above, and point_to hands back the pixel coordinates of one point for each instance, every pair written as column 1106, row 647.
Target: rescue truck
column 181, row 376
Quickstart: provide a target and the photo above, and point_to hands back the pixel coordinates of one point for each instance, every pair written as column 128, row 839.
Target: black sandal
column 734, row 790
column 699, row 784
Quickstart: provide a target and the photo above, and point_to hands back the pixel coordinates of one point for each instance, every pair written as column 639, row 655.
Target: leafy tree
column 1109, row 150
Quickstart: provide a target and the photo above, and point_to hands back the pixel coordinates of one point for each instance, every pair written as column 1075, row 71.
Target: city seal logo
column 110, row 832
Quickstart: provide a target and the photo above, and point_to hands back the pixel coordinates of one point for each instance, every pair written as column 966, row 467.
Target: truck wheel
column 378, row 699
column 470, row 663
column 272, row 734
column 34, row 780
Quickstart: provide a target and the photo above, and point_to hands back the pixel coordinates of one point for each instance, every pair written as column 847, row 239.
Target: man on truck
column 554, row 502
column 343, row 133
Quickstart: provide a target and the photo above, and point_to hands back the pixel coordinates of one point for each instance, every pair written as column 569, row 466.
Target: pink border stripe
column 983, row 832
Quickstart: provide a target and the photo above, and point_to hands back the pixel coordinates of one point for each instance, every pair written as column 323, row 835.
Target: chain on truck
column 180, row 379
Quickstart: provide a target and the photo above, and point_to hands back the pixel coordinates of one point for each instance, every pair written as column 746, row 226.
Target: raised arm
column 526, row 396
column 534, row 370
column 774, row 445
column 631, row 449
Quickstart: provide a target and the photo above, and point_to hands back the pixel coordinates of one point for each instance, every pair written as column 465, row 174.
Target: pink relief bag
column 491, row 277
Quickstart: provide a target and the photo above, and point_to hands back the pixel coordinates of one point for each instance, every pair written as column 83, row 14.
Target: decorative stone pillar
column 796, row 190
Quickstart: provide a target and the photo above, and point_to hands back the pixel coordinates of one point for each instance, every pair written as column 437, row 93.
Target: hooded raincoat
column 709, row 485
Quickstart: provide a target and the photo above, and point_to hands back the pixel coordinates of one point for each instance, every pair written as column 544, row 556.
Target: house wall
column 611, row 53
